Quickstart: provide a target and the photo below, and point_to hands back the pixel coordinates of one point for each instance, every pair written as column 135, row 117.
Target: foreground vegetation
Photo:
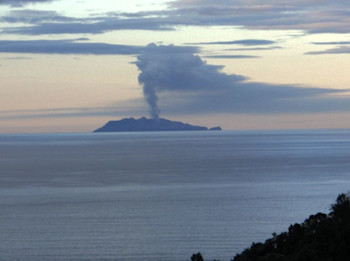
column 321, row 237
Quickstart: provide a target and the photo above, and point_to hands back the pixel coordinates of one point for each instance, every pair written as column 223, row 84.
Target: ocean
column 162, row 196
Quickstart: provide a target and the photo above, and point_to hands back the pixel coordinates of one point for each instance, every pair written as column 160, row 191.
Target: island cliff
column 144, row 124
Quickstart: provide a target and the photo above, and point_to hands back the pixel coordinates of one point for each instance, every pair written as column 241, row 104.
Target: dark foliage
column 321, row 237
column 197, row 257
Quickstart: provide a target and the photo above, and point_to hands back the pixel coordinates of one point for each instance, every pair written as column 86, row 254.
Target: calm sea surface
column 162, row 196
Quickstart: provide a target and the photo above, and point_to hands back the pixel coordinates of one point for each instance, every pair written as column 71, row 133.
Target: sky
column 73, row 65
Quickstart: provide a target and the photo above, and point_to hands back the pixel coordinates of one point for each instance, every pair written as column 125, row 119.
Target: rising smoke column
column 148, row 79
column 190, row 85
column 149, row 92
column 165, row 68
column 174, row 69
column 148, row 64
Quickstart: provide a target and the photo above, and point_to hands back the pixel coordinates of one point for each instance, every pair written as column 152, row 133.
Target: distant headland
column 144, row 124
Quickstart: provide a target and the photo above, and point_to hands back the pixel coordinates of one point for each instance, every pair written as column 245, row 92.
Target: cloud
column 29, row 16
column 19, row 3
column 162, row 70
column 337, row 50
column 311, row 16
column 231, row 56
column 17, row 58
column 75, row 46
column 255, row 98
column 254, row 48
column 131, row 107
column 184, row 83
column 40, row 23
column 342, row 48
column 65, row 47
column 248, row 42
column 332, row 43
column 307, row 15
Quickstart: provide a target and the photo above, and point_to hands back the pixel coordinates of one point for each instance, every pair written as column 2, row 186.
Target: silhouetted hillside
column 143, row 124
column 321, row 237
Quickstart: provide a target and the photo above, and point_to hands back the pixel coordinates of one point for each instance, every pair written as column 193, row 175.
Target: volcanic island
column 144, row 124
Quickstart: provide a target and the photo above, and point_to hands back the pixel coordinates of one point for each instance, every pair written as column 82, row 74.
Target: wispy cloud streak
column 337, row 50
column 19, row 3
column 75, row 46
column 228, row 56
column 246, row 42
column 131, row 107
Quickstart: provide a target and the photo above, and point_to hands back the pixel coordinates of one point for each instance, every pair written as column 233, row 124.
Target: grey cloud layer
column 228, row 56
column 34, row 16
column 78, row 46
column 332, row 43
column 255, row 48
column 44, row 22
column 343, row 47
column 186, row 84
column 247, row 42
column 134, row 107
column 65, row 47
column 18, row 3
column 337, row 50
column 308, row 15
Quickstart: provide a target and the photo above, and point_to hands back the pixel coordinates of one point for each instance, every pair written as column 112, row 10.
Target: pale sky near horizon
column 68, row 66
